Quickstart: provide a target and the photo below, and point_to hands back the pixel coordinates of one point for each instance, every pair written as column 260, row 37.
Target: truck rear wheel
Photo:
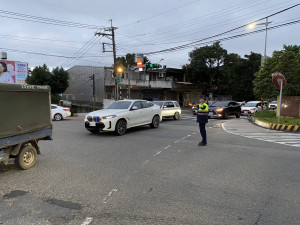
column 27, row 157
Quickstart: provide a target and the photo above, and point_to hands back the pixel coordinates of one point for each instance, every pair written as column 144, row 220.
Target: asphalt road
column 154, row 176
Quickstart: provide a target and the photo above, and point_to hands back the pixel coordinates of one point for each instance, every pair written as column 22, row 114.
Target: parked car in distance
column 224, row 109
column 169, row 109
column 59, row 112
column 123, row 114
column 196, row 106
column 250, row 108
column 273, row 105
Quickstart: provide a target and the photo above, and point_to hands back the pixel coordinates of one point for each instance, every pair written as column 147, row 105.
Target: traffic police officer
column 202, row 119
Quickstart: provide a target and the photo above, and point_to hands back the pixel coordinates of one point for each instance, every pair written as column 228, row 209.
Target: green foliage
column 40, row 75
column 57, row 79
column 59, row 82
column 205, row 64
column 286, row 61
column 129, row 60
column 223, row 73
column 270, row 117
column 55, row 98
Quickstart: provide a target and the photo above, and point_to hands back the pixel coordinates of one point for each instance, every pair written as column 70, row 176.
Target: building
column 156, row 84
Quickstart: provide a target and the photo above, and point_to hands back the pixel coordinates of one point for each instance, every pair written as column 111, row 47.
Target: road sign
column 277, row 77
column 279, row 82
column 139, row 63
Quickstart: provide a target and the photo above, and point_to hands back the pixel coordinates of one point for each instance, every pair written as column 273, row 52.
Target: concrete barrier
column 275, row 126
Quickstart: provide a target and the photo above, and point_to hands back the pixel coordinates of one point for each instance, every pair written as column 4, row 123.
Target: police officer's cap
column 203, row 97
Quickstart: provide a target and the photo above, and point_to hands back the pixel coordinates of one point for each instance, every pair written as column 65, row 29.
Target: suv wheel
column 121, row 127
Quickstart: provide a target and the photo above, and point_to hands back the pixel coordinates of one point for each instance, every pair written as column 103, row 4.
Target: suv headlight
column 108, row 117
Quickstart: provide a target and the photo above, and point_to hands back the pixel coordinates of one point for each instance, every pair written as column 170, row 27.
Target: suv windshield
column 120, row 105
column 250, row 104
column 220, row 104
column 159, row 103
column 274, row 102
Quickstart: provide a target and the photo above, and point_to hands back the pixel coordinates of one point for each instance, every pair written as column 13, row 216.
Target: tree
column 241, row 75
column 40, row 75
column 286, row 61
column 205, row 64
column 60, row 80
column 129, row 60
column 57, row 79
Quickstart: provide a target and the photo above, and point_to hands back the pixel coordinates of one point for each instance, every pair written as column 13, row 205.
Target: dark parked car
column 224, row 109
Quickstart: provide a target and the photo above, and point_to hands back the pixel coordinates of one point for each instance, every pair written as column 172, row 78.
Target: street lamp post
column 252, row 26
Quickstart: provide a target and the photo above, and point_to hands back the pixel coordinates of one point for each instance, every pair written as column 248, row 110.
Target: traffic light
column 153, row 65
column 120, row 70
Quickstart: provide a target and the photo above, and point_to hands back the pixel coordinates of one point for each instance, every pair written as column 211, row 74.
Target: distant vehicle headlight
column 220, row 110
column 108, row 117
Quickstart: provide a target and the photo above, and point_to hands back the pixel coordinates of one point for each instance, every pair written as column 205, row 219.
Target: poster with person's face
column 13, row 72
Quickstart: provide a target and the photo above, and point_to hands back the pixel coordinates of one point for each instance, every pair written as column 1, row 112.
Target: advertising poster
column 13, row 72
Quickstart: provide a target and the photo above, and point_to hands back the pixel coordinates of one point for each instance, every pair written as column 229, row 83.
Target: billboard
column 13, row 72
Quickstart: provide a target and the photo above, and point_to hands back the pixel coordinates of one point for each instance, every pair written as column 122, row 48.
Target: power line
column 37, row 19
column 209, row 27
column 221, row 39
column 159, row 14
column 225, row 32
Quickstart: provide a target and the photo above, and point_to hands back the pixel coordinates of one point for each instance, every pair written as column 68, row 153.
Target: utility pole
column 112, row 37
column 94, row 94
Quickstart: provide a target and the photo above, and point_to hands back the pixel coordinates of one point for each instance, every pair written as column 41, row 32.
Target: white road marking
column 127, row 178
column 176, row 141
column 167, row 147
column 87, row 221
column 146, row 162
column 110, row 194
column 157, row 153
column 246, row 129
column 195, row 133
column 183, row 138
column 189, row 135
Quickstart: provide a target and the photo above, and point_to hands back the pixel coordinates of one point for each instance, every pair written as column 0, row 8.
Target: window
column 53, row 107
column 220, row 104
column 159, row 103
column 120, row 105
column 137, row 104
column 145, row 104
column 177, row 104
column 169, row 104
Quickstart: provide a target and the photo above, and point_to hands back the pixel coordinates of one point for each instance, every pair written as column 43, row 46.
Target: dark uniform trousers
column 203, row 132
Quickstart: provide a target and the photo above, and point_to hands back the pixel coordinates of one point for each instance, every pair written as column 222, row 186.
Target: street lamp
column 251, row 26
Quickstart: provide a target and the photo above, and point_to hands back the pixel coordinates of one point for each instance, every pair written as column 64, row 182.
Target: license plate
column 210, row 114
column 246, row 113
column 92, row 124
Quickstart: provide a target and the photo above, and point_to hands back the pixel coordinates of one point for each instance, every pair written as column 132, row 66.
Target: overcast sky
column 143, row 27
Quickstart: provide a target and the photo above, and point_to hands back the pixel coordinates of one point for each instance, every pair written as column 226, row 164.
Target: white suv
column 169, row 109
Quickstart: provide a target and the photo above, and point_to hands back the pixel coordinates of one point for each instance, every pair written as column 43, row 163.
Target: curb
column 276, row 126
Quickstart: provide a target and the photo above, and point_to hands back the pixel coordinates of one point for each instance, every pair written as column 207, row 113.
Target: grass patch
column 270, row 117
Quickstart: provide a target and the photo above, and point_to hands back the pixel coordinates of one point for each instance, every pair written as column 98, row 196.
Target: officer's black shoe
column 202, row 144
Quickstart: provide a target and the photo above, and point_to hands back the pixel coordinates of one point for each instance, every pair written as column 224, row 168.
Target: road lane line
column 176, row 141
column 87, row 221
column 189, row 135
column 110, row 194
column 167, row 147
column 146, row 162
column 157, row 153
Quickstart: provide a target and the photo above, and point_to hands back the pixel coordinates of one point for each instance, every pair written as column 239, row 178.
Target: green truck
column 25, row 119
